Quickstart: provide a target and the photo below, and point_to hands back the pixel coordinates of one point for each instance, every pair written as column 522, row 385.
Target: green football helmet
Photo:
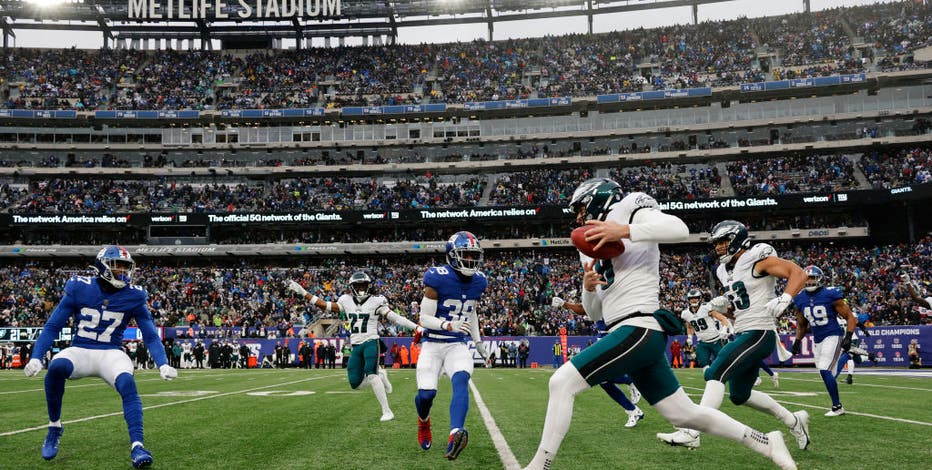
column 596, row 196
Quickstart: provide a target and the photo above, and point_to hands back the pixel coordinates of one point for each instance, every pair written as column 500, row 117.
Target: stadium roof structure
column 295, row 19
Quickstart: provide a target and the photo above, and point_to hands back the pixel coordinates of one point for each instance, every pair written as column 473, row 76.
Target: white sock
column 756, row 441
column 565, row 384
column 713, row 395
column 762, row 402
column 379, row 389
column 135, row 444
column 384, row 376
column 850, row 366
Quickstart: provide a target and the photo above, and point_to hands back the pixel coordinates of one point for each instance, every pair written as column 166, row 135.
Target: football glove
column 167, row 372
column 557, row 302
column 480, row 348
column 458, row 325
column 296, row 288
column 726, row 333
column 904, row 277
column 797, row 347
column 32, row 367
column 846, row 342
column 776, row 306
column 720, row 304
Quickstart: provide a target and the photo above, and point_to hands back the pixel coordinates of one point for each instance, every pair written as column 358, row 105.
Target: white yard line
column 859, row 384
column 120, row 413
column 185, row 375
column 504, row 452
column 848, row 412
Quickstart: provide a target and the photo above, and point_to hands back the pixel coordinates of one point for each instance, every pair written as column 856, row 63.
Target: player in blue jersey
column 101, row 307
column 448, row 313
column 635, row 414
column 818, row 308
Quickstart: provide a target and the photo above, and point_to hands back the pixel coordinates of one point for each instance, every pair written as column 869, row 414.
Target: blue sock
column 764, row 367
column 613, row 391
column 624, row 379
column 59, row 371
column 423, row 401
column 459, row 404
column 132, row 405
column 831, row 385
column 842, row 360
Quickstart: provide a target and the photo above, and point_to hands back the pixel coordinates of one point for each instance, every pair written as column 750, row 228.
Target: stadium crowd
column 251, row 294
column 707, row 54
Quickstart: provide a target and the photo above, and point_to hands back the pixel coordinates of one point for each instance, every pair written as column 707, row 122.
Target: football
column 608, row 250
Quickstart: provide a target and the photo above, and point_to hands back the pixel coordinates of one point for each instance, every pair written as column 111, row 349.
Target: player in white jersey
column 624, row 291
column 749, row 275
column 711, row 328
column 362, row 311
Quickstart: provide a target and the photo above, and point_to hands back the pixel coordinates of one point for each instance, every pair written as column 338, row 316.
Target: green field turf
column 214, row 419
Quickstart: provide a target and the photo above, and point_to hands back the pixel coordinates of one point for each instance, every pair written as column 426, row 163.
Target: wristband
column 314, row 299
column 328, row 305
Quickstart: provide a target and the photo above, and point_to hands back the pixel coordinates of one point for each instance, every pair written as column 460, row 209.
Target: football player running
column 449, row 316
column 624, row 291
column 362, row 310
column 101, row 306
column 749, row 276
column 818, row 308
column 711, row 328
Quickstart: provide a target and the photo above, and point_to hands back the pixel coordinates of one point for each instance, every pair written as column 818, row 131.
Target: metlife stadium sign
column 231, row 9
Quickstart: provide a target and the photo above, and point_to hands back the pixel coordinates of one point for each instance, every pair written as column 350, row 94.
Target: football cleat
column 779, row 454
column 800, row 430
column 634, row 394
column 836, row 411
column 457, row 443
column 424, row 437
column 776, row 379
column 850, row 379
column 50, row 447
column 141, row 457
column 757, row 382
column 387, row 416
column 634, row 417
column 682, row 437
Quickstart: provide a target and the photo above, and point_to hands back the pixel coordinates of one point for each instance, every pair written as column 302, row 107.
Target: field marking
column 152, row 407
column 849, row 412
column 782, row 377
column 509, row 461
column 869, row 415
column 200, row 373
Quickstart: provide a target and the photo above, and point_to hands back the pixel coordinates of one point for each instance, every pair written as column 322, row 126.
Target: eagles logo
column 645, row 201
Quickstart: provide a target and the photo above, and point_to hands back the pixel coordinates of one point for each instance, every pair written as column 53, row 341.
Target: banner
column 887, row 342
column 804, row 83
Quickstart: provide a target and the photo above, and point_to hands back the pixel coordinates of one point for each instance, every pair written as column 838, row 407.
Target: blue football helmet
column 111, row 258
column 359, row 284
column 735, row 233
column 813, row 278
column 464, row 253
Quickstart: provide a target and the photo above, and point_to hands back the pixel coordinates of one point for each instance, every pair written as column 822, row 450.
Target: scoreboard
column 30, row 334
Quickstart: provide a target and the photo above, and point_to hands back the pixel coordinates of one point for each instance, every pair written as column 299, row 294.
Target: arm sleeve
column 53, row 327
column 150, row 336
column 474, row 328
column 653, row 225
column 592, row 304
column 400, row 320
column 428, row 317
